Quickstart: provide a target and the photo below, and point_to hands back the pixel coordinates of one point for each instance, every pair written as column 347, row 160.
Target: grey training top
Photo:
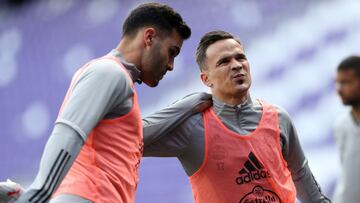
column 347, row 135
column 186, row 142
column 103, row 91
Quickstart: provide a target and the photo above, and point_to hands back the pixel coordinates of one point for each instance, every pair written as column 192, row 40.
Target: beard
column 158, row 63
column 152, row 70
column 351, row 102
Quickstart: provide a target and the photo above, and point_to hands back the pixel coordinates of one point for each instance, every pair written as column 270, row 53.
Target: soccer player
column 239, row 150
column 347, row 130
column 95, row 148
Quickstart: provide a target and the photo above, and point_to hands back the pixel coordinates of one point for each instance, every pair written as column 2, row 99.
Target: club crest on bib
column 260, row 195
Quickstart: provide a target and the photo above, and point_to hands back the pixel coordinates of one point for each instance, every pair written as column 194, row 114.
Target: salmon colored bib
column 105, row 171
column 243, row 169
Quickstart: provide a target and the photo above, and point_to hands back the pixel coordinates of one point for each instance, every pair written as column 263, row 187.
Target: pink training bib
column 243, row 169
column 106, row 170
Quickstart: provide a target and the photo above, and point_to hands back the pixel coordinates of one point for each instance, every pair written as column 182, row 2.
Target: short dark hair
column 160, row 16
column 350, row 63
column 207, row 40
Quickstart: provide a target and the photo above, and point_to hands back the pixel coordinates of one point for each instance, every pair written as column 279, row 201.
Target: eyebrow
column 227, row 56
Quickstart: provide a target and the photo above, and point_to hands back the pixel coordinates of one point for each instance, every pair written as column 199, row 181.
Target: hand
column 205, row 100
column 10, row 191
column 198, row 102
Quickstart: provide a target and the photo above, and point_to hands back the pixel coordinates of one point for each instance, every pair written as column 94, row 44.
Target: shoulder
column 282, row 113
column 343, row 119
column 107, row 68
column 341, row 122
column 284, row 119
column 105, row 73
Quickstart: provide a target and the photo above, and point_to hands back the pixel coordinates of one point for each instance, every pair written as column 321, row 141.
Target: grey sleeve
column 160, row 139
column 172, row 145
column 308, row 190
column 60, row 152
column 103, row 88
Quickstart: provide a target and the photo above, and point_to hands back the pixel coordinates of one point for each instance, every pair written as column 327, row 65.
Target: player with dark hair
column 95, row 148
column 239, row 150
column 347, row 130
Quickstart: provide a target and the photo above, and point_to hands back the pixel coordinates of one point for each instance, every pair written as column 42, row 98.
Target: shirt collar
column 131, row 68
column 222, row 108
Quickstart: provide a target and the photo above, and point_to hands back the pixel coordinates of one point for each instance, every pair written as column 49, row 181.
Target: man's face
column 159, row 57
column 228, row 71
column 348, row 87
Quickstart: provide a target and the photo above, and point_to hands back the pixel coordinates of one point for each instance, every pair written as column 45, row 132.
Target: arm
column 162, row 122
column 307, row 188
column 164, row 132
column 94, row 95
column 60, row 152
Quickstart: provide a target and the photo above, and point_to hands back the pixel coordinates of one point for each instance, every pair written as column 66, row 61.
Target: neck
column 356, row 111
column 234, row 99
column 130, row 51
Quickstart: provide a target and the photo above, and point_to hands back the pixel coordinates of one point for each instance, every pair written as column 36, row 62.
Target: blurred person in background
column 347, row 131
column 239, row 150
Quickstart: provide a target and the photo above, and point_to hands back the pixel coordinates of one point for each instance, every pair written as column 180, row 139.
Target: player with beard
column 347, row 130
column 95, row 148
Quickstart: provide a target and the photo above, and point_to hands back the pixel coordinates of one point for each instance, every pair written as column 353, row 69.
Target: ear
column 205, row 78
column 149, row 35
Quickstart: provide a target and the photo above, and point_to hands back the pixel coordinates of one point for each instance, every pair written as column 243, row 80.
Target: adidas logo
column 252, row 170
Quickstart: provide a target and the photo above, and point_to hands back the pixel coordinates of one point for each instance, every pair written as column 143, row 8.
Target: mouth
column 239, row 78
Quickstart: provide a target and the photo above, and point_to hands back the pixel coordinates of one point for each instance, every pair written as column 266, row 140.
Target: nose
column 236, row 65
column 170, row 65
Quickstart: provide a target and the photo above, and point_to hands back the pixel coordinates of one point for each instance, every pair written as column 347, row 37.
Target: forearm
column 308, row 190
column 59, row 154
column 172, row 144
column 161, row 123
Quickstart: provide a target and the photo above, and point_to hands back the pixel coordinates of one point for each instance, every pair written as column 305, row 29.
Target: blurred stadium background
column 293, row 48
